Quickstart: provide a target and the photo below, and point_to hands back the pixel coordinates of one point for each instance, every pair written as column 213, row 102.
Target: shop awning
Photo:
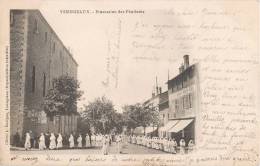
column 180, row 125
column 150, row 129
column 169, row 125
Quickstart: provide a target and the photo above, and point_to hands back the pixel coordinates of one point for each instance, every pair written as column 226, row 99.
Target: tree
column 101, row 115
column 62, row 98
column 140, row 115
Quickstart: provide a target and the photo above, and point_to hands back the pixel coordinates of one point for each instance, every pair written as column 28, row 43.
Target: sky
column 119, row 55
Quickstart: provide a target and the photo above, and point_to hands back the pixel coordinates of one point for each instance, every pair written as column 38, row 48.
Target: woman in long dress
column 59, row 140
column 182, row 146
column 173, row 146
column 87, row 141
column 79, row 140
column 52, row 141
column 119, row 143
column 105, row 143
column 93, row 140
column 164, row 144
column 190, row 146
column 27, row 144
column 42, row 145
column 71, row 141
column 168, row 145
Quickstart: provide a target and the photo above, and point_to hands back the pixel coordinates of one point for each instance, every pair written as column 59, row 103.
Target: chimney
column 186, row 61
column 157, row 88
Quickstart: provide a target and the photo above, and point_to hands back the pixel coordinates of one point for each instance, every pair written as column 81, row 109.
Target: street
column 127, row 149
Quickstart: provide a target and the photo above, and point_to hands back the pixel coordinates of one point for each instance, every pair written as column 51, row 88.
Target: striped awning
column 180, row 125
column 169, row 125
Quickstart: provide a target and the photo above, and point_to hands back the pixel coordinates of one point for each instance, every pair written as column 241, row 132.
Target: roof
column 163, row 97
column 189, row 69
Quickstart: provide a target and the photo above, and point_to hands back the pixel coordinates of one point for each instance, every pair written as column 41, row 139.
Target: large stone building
column 183, row 92
column 37, row 56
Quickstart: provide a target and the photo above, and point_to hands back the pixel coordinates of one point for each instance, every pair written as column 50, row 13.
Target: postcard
column 149, row 83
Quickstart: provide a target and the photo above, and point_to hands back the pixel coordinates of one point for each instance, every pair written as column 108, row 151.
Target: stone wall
column 18, row 50
column 37, row 57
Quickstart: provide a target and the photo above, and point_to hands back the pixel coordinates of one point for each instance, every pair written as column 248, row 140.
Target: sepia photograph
column 121, row 83
column 46, row 92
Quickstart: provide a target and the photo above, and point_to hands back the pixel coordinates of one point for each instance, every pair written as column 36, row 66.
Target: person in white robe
column 59, row 142
column 169, row 144
column 98, row 140
column 161, row 143
column 27, row 144
column 153, row 143
column 133, row 139
column 79, row 140
column 190, row 146
column 105, row 144
column 52, row 142
column 119, row 143
column 71, row 141
column 87, row 141
column 174, row 146
column 165, row 144
column 42, row 145
column 182, row 146
column 93, row 140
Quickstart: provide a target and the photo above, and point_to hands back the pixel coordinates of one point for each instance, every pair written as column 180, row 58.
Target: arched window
column 46, row 37
column 53, row 48
column 44, row 85
column 36, row 27
column 61, row 60
column 33, row 79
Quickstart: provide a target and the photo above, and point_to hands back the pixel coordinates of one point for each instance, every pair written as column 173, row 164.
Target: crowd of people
column 168, row 145
column 53, row 141
column 56, row 141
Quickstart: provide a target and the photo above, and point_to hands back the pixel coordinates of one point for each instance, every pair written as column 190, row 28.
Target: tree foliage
column 139, row 115
column 101, row 115
column 62, row 98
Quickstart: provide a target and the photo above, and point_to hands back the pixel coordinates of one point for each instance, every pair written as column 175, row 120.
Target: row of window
column 182, row 84
column 168, row 116
column 36, row 31
column 44, row 79
column 184, row 102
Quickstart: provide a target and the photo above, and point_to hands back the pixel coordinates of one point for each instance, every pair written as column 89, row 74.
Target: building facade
column 163, row 112
column 164, row 108
column 37, row 56
column 153, row 103
column 183, row 92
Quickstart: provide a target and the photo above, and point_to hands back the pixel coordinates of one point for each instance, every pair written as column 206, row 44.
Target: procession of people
column 103, row 141
column 169, row 145
column 57, row 141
